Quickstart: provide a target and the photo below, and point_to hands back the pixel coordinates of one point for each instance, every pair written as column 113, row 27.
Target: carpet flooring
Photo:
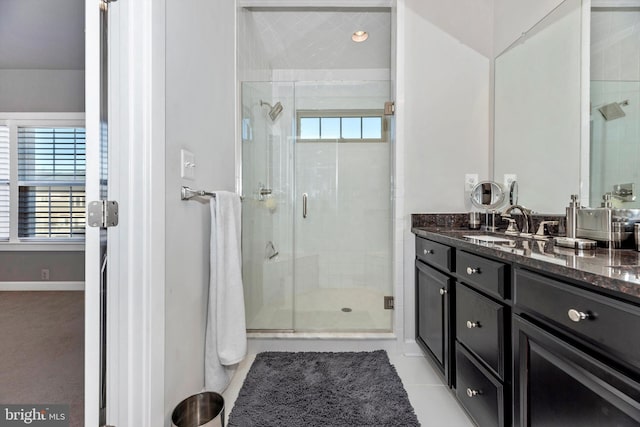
column 42, row 350
column 322, row 389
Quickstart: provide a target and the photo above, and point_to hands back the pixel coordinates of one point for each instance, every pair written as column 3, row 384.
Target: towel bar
column 187, row 193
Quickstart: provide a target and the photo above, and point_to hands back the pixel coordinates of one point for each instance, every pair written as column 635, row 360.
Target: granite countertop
column 612, row 271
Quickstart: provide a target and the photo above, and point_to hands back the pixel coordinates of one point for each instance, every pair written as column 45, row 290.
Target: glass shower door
column 267, row 208
column 342, row 214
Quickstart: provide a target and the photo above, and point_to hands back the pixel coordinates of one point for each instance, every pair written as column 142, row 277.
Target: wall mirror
column 538, row 110
column 614, row 143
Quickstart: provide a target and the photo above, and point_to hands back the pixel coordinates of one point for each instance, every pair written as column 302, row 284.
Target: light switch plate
column 187, row 165
column 470, row 181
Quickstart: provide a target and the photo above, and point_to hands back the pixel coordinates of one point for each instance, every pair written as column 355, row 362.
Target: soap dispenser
column 572, row 216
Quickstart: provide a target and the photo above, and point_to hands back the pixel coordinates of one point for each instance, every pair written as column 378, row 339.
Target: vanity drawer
column 484, row 273
column 606, row 323
column 478, row 391
column 480, row 327
column 433, row 253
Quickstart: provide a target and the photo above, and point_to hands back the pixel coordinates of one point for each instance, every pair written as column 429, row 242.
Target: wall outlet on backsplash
column 470, row 181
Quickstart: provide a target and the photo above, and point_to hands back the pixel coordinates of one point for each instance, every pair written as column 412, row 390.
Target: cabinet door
column 432, row 315
column 556, row 384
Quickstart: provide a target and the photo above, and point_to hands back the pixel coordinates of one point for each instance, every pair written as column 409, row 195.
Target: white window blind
column 4, row 183
column 51, row 182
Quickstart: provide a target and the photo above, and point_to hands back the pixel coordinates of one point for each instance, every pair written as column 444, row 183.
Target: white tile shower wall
column 253, row 65
column 615, row 45
column 348, row 225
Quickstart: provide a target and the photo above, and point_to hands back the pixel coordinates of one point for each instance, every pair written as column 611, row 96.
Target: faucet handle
column 542, row 228
column 513, row 226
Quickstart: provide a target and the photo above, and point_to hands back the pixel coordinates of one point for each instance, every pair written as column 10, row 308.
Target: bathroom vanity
column 526, row 333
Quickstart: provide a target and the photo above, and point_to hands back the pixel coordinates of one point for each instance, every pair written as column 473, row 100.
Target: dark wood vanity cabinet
column 481, row 323
column 575, row 356
column 556, row 384
column 520, row 346
column 433, row 312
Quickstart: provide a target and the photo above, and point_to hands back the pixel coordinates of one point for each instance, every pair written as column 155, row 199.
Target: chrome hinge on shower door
column 389, row 108
column 102, row 214
column 388, row 303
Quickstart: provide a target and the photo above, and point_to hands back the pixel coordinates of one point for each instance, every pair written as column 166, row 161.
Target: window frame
column 14, row 121
column 361, row 113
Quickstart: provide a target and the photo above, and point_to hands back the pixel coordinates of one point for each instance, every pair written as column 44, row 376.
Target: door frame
column 135, row 313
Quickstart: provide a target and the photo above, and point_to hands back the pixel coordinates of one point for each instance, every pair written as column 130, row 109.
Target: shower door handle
column 305, row 197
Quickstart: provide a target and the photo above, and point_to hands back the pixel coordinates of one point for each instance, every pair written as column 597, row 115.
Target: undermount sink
column 488, row 238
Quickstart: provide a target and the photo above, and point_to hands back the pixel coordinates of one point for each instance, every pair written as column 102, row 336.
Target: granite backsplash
column 461, row 220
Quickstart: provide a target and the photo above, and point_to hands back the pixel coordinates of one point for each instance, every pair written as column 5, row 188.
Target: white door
column 97, row 190
column 124, row 381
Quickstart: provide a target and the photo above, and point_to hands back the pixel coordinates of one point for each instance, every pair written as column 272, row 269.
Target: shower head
column 613, row 111
column 274, row 111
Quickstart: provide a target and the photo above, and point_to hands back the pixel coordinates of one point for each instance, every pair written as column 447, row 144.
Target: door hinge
column 388, row 303
column 389, row 108
column 102, row 214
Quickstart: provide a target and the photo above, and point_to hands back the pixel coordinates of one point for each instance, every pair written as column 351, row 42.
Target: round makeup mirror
column 487, row 195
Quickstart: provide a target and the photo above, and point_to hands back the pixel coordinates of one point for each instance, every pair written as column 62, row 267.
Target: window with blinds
column 4, row 183
column 51, row 182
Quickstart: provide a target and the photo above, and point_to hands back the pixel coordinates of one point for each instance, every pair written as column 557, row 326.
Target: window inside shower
column 316, row 171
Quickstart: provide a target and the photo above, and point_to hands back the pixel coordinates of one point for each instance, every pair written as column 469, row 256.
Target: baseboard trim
column 41, row 286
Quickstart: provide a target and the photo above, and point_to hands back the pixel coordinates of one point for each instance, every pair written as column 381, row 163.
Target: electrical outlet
column 470, row 181
column 44, row 274
column 508, row 179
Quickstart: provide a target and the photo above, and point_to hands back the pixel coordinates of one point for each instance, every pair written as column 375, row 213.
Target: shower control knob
column 428, row 251
column 472, row 270
column 443, row 291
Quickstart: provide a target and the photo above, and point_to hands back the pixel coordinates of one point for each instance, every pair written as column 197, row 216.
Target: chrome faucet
column 526, row 213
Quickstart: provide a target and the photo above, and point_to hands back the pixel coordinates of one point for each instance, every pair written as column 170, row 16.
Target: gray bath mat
column 322, row 389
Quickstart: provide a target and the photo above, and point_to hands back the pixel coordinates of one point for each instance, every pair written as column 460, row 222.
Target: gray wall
column 41, row 91
column 42, row 56
column 26, row 266
column 200, row 111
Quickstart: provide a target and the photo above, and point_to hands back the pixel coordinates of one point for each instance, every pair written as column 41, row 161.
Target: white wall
column 200, row 111
column 443, row 121
column 41, row 90
column 513, row 17
column 468, row 21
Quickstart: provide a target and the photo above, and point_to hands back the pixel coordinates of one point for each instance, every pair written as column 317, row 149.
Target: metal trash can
column 203, row 409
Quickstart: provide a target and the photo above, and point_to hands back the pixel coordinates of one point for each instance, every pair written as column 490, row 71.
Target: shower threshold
column 336, row 335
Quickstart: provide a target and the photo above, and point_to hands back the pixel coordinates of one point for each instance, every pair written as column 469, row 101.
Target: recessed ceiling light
column 359, row 36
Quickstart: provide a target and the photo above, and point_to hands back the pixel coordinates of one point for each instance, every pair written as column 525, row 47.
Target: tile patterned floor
column 433, row 402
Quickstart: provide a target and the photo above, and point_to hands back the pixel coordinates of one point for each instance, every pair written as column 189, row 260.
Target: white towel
column 226, row 336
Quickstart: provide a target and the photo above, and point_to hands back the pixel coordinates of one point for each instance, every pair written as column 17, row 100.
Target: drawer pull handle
column 472, row 325
column 472, row 393
column 428, row 251
column 577, row 316
column 443, row 291
column 471, row 270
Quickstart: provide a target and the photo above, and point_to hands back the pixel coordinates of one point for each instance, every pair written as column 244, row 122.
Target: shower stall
column 317, row 211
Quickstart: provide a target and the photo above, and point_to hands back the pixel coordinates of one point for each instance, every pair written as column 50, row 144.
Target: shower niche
column 316, row 181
